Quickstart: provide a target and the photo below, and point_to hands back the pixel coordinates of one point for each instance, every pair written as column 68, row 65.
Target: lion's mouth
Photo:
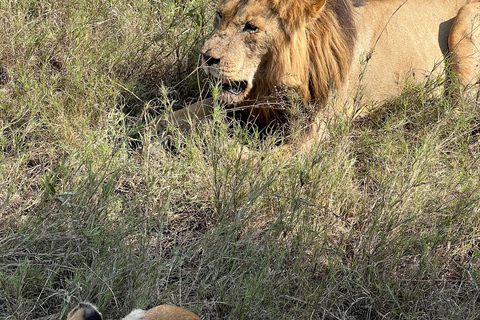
column 234, row 87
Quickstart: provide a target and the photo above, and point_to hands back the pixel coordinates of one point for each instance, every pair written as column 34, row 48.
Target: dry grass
column 380, row 222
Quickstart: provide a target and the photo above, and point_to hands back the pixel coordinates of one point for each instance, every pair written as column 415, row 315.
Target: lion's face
column 242, row 40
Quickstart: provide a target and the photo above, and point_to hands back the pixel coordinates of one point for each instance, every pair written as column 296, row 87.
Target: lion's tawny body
column 402, row 41
column 162, row 312
column 87, row 311
column 340, row 56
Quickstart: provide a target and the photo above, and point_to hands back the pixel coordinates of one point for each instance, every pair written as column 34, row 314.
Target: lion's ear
column 297, row 12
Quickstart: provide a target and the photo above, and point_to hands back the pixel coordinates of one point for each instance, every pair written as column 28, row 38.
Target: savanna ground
column 379, row 222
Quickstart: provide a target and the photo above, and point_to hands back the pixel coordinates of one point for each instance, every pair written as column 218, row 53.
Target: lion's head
column 259, row 46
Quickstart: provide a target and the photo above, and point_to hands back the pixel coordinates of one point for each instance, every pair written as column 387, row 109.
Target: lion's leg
column 464, row 45
column 185, row 117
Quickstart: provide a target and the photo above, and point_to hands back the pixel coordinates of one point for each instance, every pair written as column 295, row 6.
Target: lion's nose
column 211, row 61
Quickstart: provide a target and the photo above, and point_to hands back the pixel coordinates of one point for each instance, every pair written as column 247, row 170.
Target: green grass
column 380, row 222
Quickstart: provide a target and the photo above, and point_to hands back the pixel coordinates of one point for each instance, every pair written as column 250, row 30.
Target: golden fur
column 87, row 311
column 163, row 312
column 360, row 51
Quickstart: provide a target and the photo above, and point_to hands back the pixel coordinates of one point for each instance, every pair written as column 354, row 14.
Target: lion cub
column 87, row 311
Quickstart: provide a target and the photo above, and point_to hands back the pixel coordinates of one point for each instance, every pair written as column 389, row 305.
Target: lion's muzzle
column 211, row 61
column 234, row 87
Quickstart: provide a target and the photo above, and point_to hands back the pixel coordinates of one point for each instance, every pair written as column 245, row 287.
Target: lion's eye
column 250, row 28
column 219, row 16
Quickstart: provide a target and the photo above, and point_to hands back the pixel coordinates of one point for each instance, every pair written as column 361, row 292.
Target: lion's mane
column 315, row 55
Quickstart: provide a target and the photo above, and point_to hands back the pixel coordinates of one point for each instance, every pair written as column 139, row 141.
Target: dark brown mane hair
column 315, row 55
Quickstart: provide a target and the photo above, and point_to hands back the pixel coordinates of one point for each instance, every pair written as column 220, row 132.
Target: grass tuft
column 379, row 222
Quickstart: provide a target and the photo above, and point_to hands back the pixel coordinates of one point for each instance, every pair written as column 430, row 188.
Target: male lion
column 358, row 51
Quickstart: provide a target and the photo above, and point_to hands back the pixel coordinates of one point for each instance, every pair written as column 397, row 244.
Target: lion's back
column 399, row 42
